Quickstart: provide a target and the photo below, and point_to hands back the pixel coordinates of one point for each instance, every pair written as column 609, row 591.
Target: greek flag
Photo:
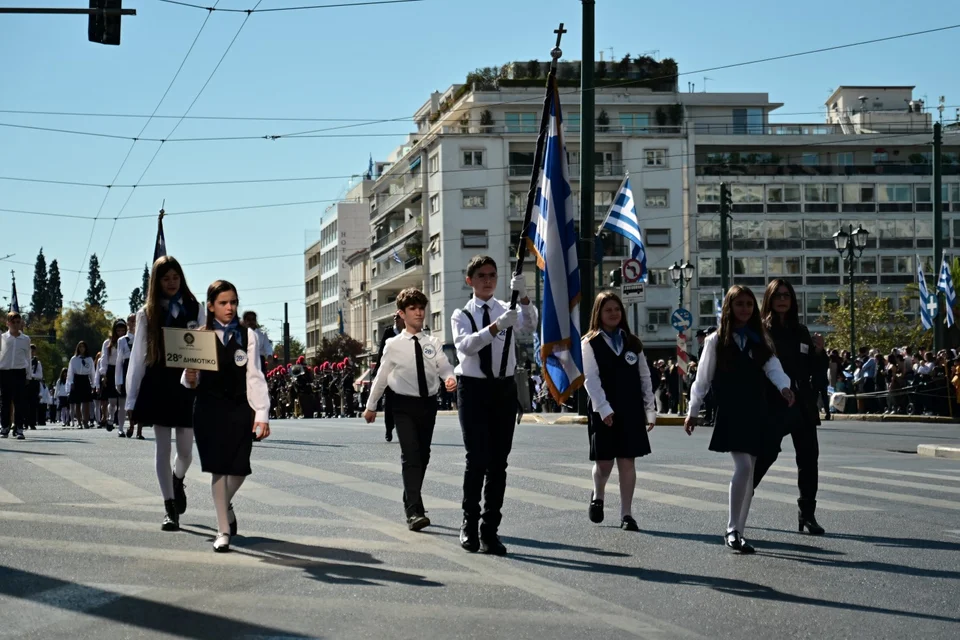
column 396, row 256
column 553, row 240
column 928, row 303
column 717, row 308
column 14, row 301
column 340, row 321
column 945, row 284
column 160, row 248
column 622, row 219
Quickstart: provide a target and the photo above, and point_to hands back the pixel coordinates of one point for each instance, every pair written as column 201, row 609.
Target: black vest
column 620, row 380
column 33, row 363
column 229, row 381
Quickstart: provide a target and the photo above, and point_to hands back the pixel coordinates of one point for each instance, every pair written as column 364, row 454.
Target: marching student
column 615, row 366
column 109, row 393
column 412, row 365
column 388, row 333
column 98, row 399
column 14, row 374
column 487, row 401
column 62, row 395
column 34, row 386
column 154, row 393
column 124, row 347
column 266, row 347
column 232, row 406
column 738, row 360
column 80, row 383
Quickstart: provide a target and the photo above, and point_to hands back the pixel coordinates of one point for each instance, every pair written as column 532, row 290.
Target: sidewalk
column 567, row 419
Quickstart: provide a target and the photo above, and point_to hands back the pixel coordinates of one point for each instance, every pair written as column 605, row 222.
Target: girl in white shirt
column 108, row 373
column 63, row 398
column 615, row 368
column 737, row 362
column 80, row 383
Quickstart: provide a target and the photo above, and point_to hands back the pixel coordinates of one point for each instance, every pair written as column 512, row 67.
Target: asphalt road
column 323, row 552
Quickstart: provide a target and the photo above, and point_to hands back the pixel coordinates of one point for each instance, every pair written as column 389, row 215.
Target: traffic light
column 101, row 27
column 615, row 277
column 726, row 199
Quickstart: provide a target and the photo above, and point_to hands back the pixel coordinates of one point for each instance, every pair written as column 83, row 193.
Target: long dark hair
column 215, row 289
column 630, row 341
column 113, row 333
column 769, row 316
column 155, row 315
column 63, row 375
column 86, row 350
column 726, row 347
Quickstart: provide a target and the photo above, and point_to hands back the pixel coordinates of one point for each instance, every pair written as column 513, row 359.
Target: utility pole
column 286, row 334
column 937, row 228
column 587, row 147
column 726, row 204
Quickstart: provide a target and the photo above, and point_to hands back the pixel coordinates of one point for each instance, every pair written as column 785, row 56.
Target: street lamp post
column 681, row 274
column 851, row 251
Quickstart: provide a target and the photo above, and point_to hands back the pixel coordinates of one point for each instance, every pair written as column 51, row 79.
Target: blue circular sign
column 681, row 319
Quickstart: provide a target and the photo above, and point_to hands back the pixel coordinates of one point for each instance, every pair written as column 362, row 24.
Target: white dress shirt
column 469, row 342
column 44, row 394
column 258, row 395
column 80, row 367
column 36, row 373
column 266, row 347
column 398, row 367
column 708, row 365
column 598, row 398
column 123, row 354
column 108, row 356
column 138, row 355
column 61, row 390
column 15, row 353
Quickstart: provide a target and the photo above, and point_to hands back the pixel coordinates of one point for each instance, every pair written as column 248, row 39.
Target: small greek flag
column 396, row 256
column 928, row 303
column 622, row 219
column 945, row 284
column 14, row 300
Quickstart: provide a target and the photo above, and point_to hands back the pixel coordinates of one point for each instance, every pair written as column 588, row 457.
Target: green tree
column 97, row 288
column 297, row 349
column 877, row 324
column 40, row 302
column 623, row 67
column 136, row 300
column 342, row 346
column 54, row 295
column 89, row 323
column 601, row 70
column 42, row 333
column 533, row 69
column 145, row 282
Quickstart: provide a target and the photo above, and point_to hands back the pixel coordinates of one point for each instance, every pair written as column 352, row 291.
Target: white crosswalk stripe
column 102, row 484
column 900, row 472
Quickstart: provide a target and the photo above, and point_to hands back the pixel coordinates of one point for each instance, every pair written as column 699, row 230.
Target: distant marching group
column 326, row 390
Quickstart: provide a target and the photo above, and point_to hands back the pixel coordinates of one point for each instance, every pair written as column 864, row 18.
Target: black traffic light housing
column 726, row 198
column 615, row 277
column 102, row 27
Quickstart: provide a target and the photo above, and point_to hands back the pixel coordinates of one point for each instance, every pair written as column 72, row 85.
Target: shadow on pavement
column 300, row 443
column 762, row 545
column 559, row 546
column 869, row 565
column 133, row 611
column 731, row 586
column 30, row 453
column 885, row 541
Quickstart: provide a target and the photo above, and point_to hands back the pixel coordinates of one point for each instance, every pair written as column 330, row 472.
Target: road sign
column 631, row 292
column 632, row 271
column 681, row 319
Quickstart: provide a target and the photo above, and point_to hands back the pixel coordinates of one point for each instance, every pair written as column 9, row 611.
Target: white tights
column 224, row 488
column 628, row 481
column 741, row 490
column 182, row 461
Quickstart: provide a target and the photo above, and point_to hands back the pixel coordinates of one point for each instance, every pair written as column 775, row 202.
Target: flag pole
column 534, row 180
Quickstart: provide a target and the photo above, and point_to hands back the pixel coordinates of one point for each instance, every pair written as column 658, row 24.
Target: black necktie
column 421, row 371
column 486, row 353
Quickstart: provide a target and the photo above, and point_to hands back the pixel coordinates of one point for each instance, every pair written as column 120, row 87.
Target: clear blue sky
column 372, row 62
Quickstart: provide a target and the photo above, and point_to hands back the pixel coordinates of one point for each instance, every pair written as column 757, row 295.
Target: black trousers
column 808, row 453
column 388, row 403
column 414, row 419
column 488, row 412
column 32, row 402
column 13, row 387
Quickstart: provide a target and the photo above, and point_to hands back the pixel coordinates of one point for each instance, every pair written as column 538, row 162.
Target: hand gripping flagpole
column 534, row 181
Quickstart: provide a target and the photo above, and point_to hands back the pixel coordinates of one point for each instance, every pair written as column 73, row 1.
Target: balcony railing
column 886, row 168
column 394, row 269
column 384, row 311
column 814, row 129
column 532, row 129
column 413, row 224
column 387, row 202
column 611, row 170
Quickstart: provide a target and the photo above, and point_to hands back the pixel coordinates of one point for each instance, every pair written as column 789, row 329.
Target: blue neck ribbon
column 174, row 307
column 230, row 330
column 616, row 339
column 748, row 335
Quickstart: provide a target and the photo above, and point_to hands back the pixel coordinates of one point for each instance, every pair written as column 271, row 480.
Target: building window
column 435, row 280
column 748, row 121
column 656, row 198
column 895, row 193
column 708, row 272
column 436, row 322
column 434, row 204
column 784, row 234
column 879, row 157
column 810, row 159
column 747, row 234
column 572, row 122
column 708, row 194
column 658, row 277
column 778, row 193
column 708, row 235
column 896, row 270
column 823, row 270
column 635, row 122
column 856, row 193
column 658, row 316
column 924, row 192
column 435, row 245
column 787, row 267
column 472, row 158
column 473, row 239
column 521, row 122
column 656, row 157
column 820, row 193
column 895, row 234
column 474, row 199
column 845, row 159
column 817, row 303
column 434, row 163
column 657, row 237
column 749, row 271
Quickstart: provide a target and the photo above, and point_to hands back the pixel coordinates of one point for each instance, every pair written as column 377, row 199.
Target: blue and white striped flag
column 14, row 300
column 717, row 308
column 396, row 256
column 622, row 219
column 928, row 303
column 553, row 240
column 945, row 284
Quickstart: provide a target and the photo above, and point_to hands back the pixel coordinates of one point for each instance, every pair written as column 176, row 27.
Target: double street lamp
column 681, row 274
column 850, row 246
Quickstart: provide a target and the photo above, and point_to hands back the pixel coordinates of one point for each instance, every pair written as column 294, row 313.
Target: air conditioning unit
column 652, row 328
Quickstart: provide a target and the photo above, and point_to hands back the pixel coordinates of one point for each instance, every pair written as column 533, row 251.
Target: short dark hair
column 32, row 347
column 13, row 315
column 479, row 261
column 411, row 297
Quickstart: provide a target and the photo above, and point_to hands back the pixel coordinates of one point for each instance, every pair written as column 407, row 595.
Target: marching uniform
column 14, row 374
column 108, row 370
column 34, row 405
column 80, row 379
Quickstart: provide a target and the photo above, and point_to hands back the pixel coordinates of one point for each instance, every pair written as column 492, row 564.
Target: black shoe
column 389, row 436
column 232, row 519
column 596, row 510
column 179, row 494
column 417, row 522
column 5, row 433
column 490, row 543
column 109, row 427
column 171, row 521
column 122, row 433
column 627, row 523
column 222, row 543
column 735, row 542
column 806, row 518
column 469, row 536
column 20, row 436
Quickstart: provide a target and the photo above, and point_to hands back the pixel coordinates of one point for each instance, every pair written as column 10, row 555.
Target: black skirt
column 618, row 440
column 223, row 430
column 163, row 401
column 108, row 384
column 80, row 390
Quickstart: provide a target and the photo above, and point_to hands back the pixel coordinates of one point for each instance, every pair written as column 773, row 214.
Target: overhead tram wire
column 93, row 227
column 177, row 125
column 366, row 3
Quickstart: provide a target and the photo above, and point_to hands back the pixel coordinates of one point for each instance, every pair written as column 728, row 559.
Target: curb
column 869, row 417
column 939, row 451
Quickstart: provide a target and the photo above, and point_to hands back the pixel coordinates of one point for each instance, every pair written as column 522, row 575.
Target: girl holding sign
column 615, row 367
column 232, row 408
column 154, row 393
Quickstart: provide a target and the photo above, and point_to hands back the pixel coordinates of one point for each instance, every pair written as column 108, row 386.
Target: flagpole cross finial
column 555, row 53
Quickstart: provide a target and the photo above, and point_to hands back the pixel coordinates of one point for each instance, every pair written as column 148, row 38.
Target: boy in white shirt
column 14, row 374
column 412, row 365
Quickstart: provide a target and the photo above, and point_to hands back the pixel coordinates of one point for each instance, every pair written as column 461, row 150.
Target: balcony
column 410, row 226
column 814, row 129
column 409, row 273
column 882, row 169
column 388, row 202
column 383, row 312
column 571, row 129
column 609, row 171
